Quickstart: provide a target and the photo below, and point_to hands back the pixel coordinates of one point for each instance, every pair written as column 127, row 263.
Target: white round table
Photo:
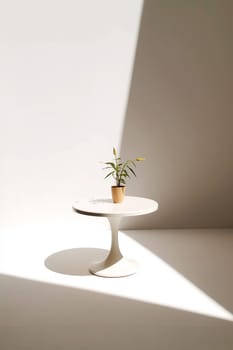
column 115, row 265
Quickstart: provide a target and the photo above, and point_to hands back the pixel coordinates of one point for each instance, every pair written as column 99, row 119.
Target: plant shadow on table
column 74, row 261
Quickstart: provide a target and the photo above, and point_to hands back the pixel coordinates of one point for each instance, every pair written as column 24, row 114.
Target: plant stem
column 117, row 177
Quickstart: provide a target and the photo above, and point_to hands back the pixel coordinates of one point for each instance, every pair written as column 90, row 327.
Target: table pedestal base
column 121, row 268
column 115, row 265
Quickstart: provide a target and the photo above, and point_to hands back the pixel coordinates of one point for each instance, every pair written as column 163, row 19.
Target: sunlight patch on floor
column 60, row 253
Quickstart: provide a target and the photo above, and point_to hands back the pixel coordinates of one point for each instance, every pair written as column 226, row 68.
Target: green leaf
column 132, row 171
column 109, row 174
column 112, row 165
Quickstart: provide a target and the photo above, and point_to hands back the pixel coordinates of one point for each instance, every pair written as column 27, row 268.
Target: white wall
column 65, row 68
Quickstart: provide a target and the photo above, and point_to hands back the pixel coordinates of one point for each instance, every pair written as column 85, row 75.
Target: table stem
column 115, row 253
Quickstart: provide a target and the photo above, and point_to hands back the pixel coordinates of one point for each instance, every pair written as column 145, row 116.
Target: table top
column 131, row 206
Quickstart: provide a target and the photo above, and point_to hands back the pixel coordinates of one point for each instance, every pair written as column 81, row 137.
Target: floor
column 180, row 298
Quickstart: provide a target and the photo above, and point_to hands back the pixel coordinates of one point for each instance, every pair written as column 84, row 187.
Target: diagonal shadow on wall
column 179, row 114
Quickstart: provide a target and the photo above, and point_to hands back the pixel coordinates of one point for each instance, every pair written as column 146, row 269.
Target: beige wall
column 179, row 114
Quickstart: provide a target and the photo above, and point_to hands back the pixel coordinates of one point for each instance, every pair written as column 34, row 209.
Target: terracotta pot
column 118, row 194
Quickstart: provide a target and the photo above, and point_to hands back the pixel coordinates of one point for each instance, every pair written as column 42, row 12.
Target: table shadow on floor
column 75, row 261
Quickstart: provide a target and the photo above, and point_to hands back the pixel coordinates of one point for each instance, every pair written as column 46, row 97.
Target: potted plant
column 120, row 171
